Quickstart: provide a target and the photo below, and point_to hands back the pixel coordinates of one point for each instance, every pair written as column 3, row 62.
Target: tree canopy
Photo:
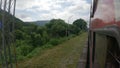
column 81, row 24
column 57, row 27
column 31, row 36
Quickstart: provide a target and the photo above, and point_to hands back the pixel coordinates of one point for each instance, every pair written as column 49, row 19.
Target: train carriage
column 104, row 35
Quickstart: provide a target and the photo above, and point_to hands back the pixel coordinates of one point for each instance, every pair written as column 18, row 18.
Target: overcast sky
column 33, row 10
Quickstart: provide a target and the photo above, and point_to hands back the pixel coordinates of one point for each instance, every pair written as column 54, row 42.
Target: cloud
column 32, row 10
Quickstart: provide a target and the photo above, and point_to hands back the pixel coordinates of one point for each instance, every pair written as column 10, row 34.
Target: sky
column 68, row 10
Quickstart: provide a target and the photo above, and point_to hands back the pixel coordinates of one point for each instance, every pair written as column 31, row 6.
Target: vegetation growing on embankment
column 65, row 55
column 31, row 38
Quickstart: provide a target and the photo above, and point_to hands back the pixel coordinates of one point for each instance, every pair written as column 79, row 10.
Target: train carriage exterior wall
column 104, row 34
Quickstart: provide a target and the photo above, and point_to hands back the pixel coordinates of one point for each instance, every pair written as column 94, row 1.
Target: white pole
column 9, row 36
column 13, row 28
column 67, row 31
column 3, row 34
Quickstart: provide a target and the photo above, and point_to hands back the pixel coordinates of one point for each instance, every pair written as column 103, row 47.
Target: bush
column 24, row 49
column 54, row 42
column 34, row 52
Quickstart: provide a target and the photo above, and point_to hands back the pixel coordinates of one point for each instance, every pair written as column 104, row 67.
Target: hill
column 18, row 23
column 40, row 23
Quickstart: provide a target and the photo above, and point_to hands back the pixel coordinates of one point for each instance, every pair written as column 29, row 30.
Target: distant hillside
column 18, row 23
column 40, row 23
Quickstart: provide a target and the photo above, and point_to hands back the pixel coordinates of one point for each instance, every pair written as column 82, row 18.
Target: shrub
column 24, row 49
column 54, row 42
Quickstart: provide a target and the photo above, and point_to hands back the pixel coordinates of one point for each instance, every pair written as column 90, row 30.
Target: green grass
column 65, row 55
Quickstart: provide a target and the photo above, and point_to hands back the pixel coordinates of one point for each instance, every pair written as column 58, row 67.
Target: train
column 104, row 35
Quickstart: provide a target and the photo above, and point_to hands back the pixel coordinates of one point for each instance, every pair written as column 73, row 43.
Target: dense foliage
column 81, row 24
column 31, row 36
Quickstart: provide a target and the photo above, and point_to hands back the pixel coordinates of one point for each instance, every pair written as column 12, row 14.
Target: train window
column 117, row 10
column 94, row 7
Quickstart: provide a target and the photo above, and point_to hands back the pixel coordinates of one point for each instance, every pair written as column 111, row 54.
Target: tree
column 57, row 28
column 80, row 23
column 20, row 35
column 36, row 39
column 73, row 29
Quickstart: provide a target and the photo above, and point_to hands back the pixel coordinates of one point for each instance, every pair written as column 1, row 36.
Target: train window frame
column 93, row 8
